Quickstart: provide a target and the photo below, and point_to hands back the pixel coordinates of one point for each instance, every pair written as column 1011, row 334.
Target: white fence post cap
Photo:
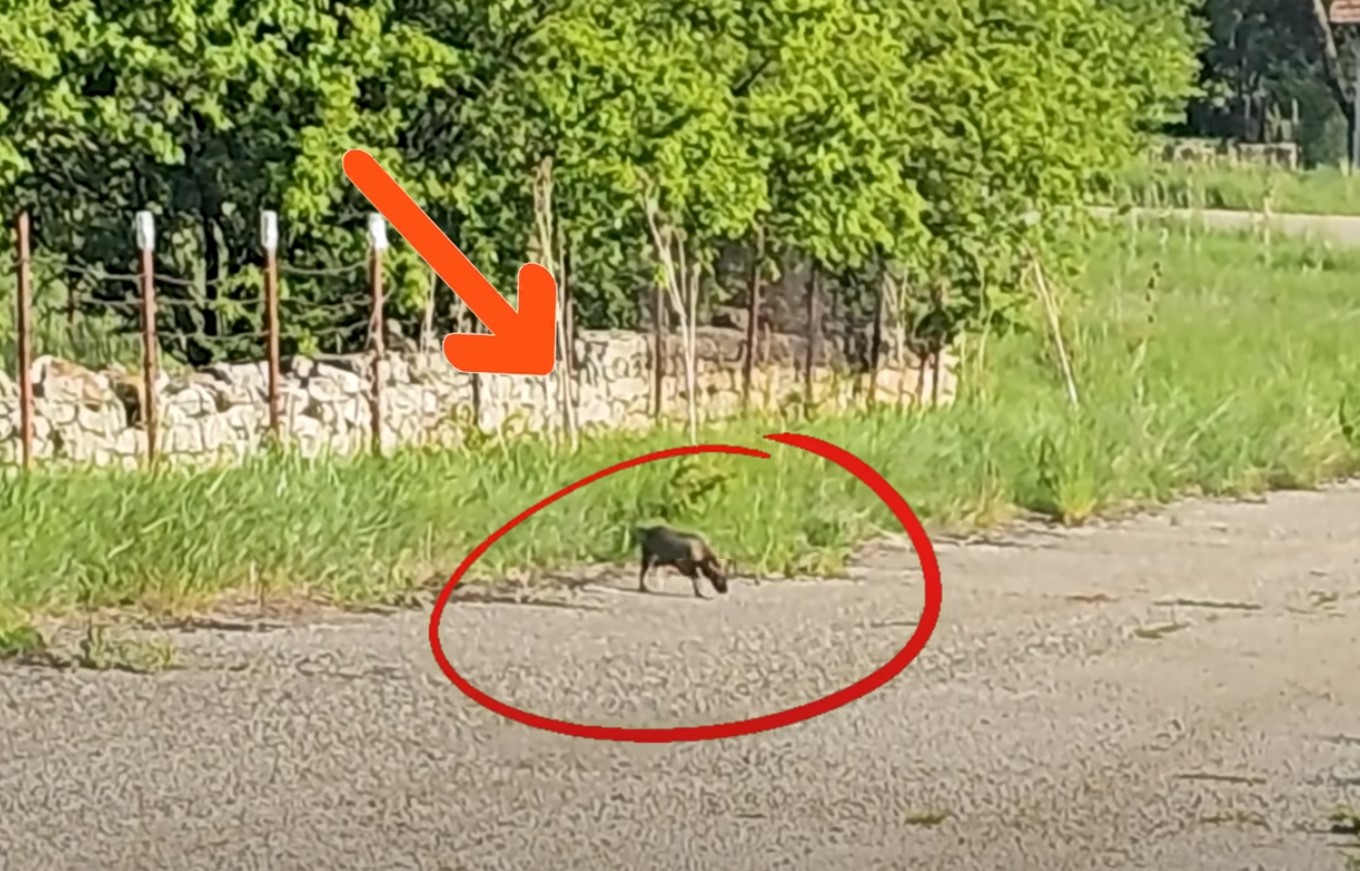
column 269, row 230
column 146, row 231
column 377, row 231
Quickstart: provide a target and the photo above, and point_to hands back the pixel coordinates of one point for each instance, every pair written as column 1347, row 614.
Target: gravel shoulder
column 1177, row 691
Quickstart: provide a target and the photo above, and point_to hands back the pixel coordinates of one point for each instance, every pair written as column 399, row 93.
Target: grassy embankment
column 1324, row 191
column 1226, row 378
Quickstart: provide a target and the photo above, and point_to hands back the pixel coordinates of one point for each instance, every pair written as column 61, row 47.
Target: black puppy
column 687, row 553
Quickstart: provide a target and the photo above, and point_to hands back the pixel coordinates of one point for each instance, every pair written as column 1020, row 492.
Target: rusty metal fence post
column 814, row 290
column 377, row 244
column 146, row 244
column 23, row 319
column 269, row 240
column 658, row 352
column 752, row 316
column 568, row 383
column 876, row 345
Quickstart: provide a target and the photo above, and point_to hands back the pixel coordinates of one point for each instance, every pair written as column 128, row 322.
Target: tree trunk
column 1337, row 82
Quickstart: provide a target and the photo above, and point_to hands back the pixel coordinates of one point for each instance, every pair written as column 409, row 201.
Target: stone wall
column 220, row 413
column 1277, row 155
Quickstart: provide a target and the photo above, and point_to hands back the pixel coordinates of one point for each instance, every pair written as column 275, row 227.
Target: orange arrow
column 521, row 342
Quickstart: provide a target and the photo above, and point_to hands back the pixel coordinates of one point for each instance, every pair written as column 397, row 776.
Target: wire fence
column 158, row 314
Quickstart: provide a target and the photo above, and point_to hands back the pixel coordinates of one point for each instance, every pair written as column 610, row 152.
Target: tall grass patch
column 1206, row 363
column 1319, row 191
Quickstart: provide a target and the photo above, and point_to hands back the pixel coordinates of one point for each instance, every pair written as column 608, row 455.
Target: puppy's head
column 716, row 573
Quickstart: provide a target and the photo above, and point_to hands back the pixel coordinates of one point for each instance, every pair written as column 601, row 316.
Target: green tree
column 205, row 113
column 1261, row 57
column 941, row 144
column 1022, row 106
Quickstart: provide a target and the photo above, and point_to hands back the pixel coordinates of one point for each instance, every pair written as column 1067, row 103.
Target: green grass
column 1323, row 191
column 1228, row 377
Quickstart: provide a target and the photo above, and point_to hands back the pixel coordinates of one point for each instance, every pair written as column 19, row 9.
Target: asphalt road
column 1067, row 714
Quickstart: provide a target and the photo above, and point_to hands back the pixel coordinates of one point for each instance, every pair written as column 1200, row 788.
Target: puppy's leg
column 691, row 571
column 647, row 562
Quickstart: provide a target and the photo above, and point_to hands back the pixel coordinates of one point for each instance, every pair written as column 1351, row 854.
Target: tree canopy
column 917, row 139
column 1261, row 61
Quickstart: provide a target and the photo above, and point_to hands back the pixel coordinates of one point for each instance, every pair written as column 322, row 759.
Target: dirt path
column 1340, row 229
column 1064, row 716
